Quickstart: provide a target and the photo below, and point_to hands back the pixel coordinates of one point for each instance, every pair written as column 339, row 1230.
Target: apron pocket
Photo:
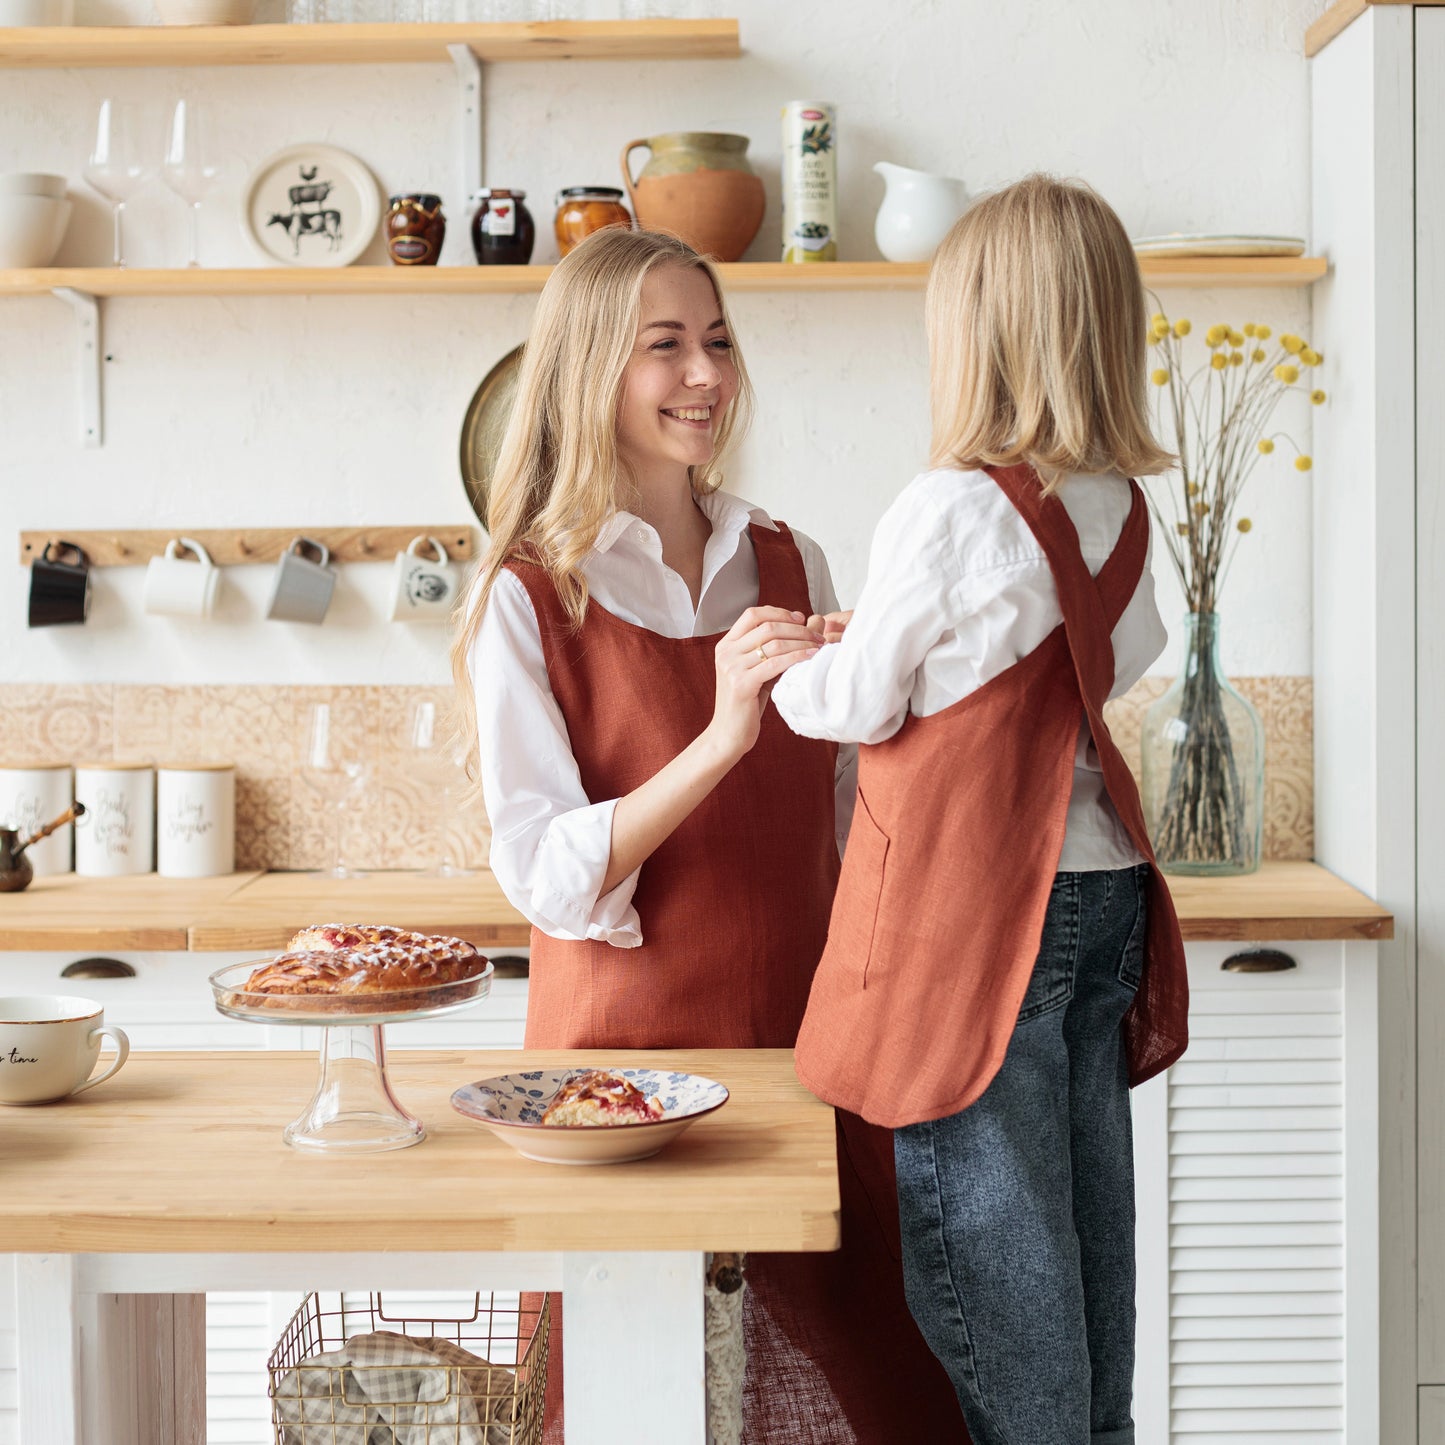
column 860, row 889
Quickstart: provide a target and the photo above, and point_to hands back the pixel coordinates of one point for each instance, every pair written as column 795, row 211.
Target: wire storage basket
column 356, row 1375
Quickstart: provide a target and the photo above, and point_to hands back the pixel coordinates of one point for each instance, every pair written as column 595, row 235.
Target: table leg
column 47, row 1340
column 645, row 1382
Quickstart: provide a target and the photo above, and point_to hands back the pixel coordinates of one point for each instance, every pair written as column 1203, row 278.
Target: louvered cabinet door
column 1258, row 1201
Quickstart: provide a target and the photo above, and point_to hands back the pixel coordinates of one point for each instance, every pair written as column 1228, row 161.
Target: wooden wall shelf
column 236, row 546
column 70, row 47
column 108, row 281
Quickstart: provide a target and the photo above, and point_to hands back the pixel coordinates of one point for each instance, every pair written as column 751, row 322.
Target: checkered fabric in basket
column 390, row 1389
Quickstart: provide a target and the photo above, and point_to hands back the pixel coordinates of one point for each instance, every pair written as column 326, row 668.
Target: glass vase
column 1203, row 766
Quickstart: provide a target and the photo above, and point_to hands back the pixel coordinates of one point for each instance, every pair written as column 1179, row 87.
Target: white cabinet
column 1255, row 1158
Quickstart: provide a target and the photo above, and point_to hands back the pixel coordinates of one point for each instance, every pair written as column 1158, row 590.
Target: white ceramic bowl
column 32, row 183
column 511, row 1106
column 31, row 229
column 205, row 12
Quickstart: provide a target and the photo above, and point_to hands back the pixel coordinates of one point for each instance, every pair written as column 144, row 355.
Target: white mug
column 423, row 590
column 49, row 1045
column 116, row 837
column 176, row 587
column 31, row 796
column 195, row 820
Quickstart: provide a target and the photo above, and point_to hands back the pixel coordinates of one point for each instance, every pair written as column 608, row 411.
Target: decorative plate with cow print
column 311, row 205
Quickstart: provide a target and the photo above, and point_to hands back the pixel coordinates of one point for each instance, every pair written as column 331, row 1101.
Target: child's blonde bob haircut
column 1037, row 337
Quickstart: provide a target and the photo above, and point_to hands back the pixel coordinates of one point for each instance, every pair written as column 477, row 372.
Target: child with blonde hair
column 1003, row 959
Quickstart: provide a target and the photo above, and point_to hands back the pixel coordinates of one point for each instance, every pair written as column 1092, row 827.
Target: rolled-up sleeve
column 551, row 844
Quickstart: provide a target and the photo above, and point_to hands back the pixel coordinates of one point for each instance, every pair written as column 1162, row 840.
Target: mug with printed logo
column 49, row 1047
column 423, row 589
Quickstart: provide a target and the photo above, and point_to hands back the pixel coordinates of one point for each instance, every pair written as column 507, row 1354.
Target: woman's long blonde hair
column 558, row 477
column 1037, row 337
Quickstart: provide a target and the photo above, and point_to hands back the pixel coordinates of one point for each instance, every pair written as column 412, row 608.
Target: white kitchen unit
column 167, row 1005
column 1257, row 1226
column 1378, row 197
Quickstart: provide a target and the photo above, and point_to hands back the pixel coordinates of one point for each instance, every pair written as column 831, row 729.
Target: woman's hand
column 831, row 625
column 759, row 647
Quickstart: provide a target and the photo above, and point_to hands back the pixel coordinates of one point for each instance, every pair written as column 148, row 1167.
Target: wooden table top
column 260, row 911
column 182, row 1153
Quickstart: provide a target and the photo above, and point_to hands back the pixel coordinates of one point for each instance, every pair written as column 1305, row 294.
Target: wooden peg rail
column 239, row 546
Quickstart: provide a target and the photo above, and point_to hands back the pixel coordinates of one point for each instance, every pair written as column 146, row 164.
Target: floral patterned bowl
column 511, row 1106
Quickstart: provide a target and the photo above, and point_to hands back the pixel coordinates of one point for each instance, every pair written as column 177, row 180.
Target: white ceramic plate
column 1219, row 245
column 311, row 205
column 511, row 1106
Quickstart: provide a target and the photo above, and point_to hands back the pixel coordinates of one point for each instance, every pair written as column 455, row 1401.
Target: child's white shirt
column 958, row 590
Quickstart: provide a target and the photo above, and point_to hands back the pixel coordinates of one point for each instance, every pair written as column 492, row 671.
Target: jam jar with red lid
column 415, row 229
column 503, row 232
column 584, row 209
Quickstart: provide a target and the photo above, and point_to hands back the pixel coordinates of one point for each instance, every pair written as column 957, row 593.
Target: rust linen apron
column 952, row 853
column 734, row 909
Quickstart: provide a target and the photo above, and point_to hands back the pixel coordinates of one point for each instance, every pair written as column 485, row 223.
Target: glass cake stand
column 354, row 1110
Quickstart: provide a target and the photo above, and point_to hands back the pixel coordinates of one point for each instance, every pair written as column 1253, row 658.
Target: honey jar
column 503, row 232
column 584, row 209
column 415, row 228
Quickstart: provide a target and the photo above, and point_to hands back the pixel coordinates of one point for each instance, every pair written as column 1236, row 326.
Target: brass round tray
column 483, row 427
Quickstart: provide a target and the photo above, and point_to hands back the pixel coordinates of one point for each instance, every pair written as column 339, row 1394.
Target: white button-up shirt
column 959, row 590
column 550, row 843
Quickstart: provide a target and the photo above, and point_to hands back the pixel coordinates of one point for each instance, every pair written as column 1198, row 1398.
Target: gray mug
column 303, row 584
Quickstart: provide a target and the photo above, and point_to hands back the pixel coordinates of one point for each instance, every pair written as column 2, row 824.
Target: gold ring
column 762, row 652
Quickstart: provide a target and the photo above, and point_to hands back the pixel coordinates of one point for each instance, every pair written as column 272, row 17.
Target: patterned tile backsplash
column 404, row 817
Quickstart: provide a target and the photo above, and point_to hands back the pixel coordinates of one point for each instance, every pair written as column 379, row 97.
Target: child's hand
column 832, row 625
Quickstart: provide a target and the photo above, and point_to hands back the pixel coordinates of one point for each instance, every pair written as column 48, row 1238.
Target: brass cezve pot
column 15, row 868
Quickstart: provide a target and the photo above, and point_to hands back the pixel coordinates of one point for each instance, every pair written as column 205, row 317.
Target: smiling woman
column 673, row 844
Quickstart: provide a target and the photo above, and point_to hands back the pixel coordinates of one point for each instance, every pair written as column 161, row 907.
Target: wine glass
column 335, row 771
column 117, row 164
column 189, row 169
column 434, row 763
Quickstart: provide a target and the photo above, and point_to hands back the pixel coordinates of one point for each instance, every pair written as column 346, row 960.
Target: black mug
column 59, row 589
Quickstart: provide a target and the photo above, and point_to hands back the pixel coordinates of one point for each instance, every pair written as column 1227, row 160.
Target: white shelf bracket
column 87, row 321
column 469, row 91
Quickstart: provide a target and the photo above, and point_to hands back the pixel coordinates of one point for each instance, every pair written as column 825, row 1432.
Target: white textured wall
column 1187, row 114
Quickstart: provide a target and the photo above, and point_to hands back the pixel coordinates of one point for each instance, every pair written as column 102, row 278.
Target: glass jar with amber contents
column 502, row 229
column 415, row 228
column 584, row 209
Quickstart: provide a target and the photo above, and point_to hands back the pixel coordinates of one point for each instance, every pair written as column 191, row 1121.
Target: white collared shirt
column 958, row 590
column 550, row 844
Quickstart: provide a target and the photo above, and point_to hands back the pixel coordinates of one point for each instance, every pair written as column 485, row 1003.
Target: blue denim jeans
column 1018, row 1212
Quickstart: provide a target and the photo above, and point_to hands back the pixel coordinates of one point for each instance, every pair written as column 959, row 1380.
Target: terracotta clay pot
column 699, row 186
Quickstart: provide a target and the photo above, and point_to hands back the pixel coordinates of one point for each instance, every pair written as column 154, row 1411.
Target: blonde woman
column 671, row 841
column 1004, row 960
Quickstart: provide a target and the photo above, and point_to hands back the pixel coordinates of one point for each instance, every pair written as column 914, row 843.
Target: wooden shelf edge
column 65, row 47
column 739, row 276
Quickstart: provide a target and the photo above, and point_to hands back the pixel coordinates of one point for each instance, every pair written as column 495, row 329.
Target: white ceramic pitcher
column 917, row 211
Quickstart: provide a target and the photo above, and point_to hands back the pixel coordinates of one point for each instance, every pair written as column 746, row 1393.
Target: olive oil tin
column 810, row 182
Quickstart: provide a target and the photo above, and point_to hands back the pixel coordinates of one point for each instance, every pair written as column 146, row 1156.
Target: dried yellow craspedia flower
column 1265, row 446
column 1200, row 510
column 1219, row 361
column 1182, row 327
column 1310, row 356
column 1156, row 318
column 1216, row 335
column 1236, row 338
column 1236, row 358
column 1250, row 328
column 1303, row 463
column 1257, row 354
column 1182, row 528
column 1244, row 524
column 1159, row 376
column 1318, row 397
column 1263, row 332
column 1160, row 330
column 1194, row 489
column 1291, row 344
column 1286, row 373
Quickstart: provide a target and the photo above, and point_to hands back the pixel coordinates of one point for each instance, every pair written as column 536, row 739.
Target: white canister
column 195, row 820
column 30, row 796
column 116, row 836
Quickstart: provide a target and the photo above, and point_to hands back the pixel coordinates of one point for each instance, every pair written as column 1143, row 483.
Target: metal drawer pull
column 1258, row 960
column 97, row 968
column 510, row 965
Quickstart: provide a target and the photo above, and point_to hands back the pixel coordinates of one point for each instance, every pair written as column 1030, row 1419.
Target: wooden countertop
column 260, row 911
column 182, row 1153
